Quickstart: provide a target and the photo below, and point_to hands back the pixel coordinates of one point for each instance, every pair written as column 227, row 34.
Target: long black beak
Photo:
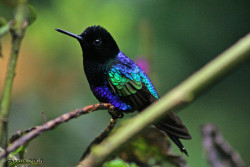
column 70, row 34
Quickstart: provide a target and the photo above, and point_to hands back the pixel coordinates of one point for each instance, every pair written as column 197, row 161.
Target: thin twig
column 44, row 117
column 54, row 123
column 101, row 136
column 183, row 94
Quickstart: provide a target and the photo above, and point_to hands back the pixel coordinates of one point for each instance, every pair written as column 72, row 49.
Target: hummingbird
column 114, row 78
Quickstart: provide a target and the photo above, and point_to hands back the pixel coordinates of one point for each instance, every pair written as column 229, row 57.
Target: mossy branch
column 183, row 94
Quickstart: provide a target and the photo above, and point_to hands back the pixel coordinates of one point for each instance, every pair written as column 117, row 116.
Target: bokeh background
column 175, row 37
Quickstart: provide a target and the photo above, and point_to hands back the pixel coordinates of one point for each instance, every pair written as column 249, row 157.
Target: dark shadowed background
column 175, row 37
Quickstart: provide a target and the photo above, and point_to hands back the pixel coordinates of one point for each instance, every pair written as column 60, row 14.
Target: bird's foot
column 116, row 114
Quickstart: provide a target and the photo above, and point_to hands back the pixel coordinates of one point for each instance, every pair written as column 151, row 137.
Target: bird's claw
column 116, row 114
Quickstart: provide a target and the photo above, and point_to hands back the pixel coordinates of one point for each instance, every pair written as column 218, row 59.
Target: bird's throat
column 95, row 72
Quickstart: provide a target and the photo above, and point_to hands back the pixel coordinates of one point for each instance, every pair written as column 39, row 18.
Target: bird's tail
column 179, row 144
column 175, row 129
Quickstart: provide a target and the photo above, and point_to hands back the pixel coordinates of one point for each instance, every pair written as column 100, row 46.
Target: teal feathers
column 128, row 78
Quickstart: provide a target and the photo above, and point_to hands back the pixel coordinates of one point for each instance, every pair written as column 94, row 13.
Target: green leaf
column 32, row 14
column 2, row 21
column 119, row 163
column 17, row 150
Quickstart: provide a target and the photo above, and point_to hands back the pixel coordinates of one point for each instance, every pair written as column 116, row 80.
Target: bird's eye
column 97, row 42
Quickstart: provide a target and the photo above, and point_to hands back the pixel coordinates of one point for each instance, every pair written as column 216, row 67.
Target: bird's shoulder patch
column 125, row 79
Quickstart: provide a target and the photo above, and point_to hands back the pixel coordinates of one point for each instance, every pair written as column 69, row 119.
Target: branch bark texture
column 219, row 152
column 52, row 124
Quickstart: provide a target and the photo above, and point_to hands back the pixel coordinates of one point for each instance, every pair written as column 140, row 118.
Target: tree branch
column 17, row 32
column 219, row 153
column 52, row 124
column 183, row 94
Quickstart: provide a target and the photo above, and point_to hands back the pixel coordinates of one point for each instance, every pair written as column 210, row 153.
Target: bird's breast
column 95, row 73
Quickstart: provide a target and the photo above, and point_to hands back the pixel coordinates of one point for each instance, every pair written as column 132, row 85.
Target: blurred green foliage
column 177, row 37
column 119, row 163
column 151, row 148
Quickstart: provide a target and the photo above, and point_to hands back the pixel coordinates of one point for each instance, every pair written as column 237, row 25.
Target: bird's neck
column 95, row 72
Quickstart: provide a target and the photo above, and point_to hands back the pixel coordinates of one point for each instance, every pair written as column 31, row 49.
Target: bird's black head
column 97, row 43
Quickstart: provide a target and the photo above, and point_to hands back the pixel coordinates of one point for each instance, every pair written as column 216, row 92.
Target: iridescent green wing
column 124, row 84
column 127, row 82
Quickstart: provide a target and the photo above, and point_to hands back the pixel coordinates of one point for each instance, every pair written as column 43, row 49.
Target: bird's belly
column 104, row 94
